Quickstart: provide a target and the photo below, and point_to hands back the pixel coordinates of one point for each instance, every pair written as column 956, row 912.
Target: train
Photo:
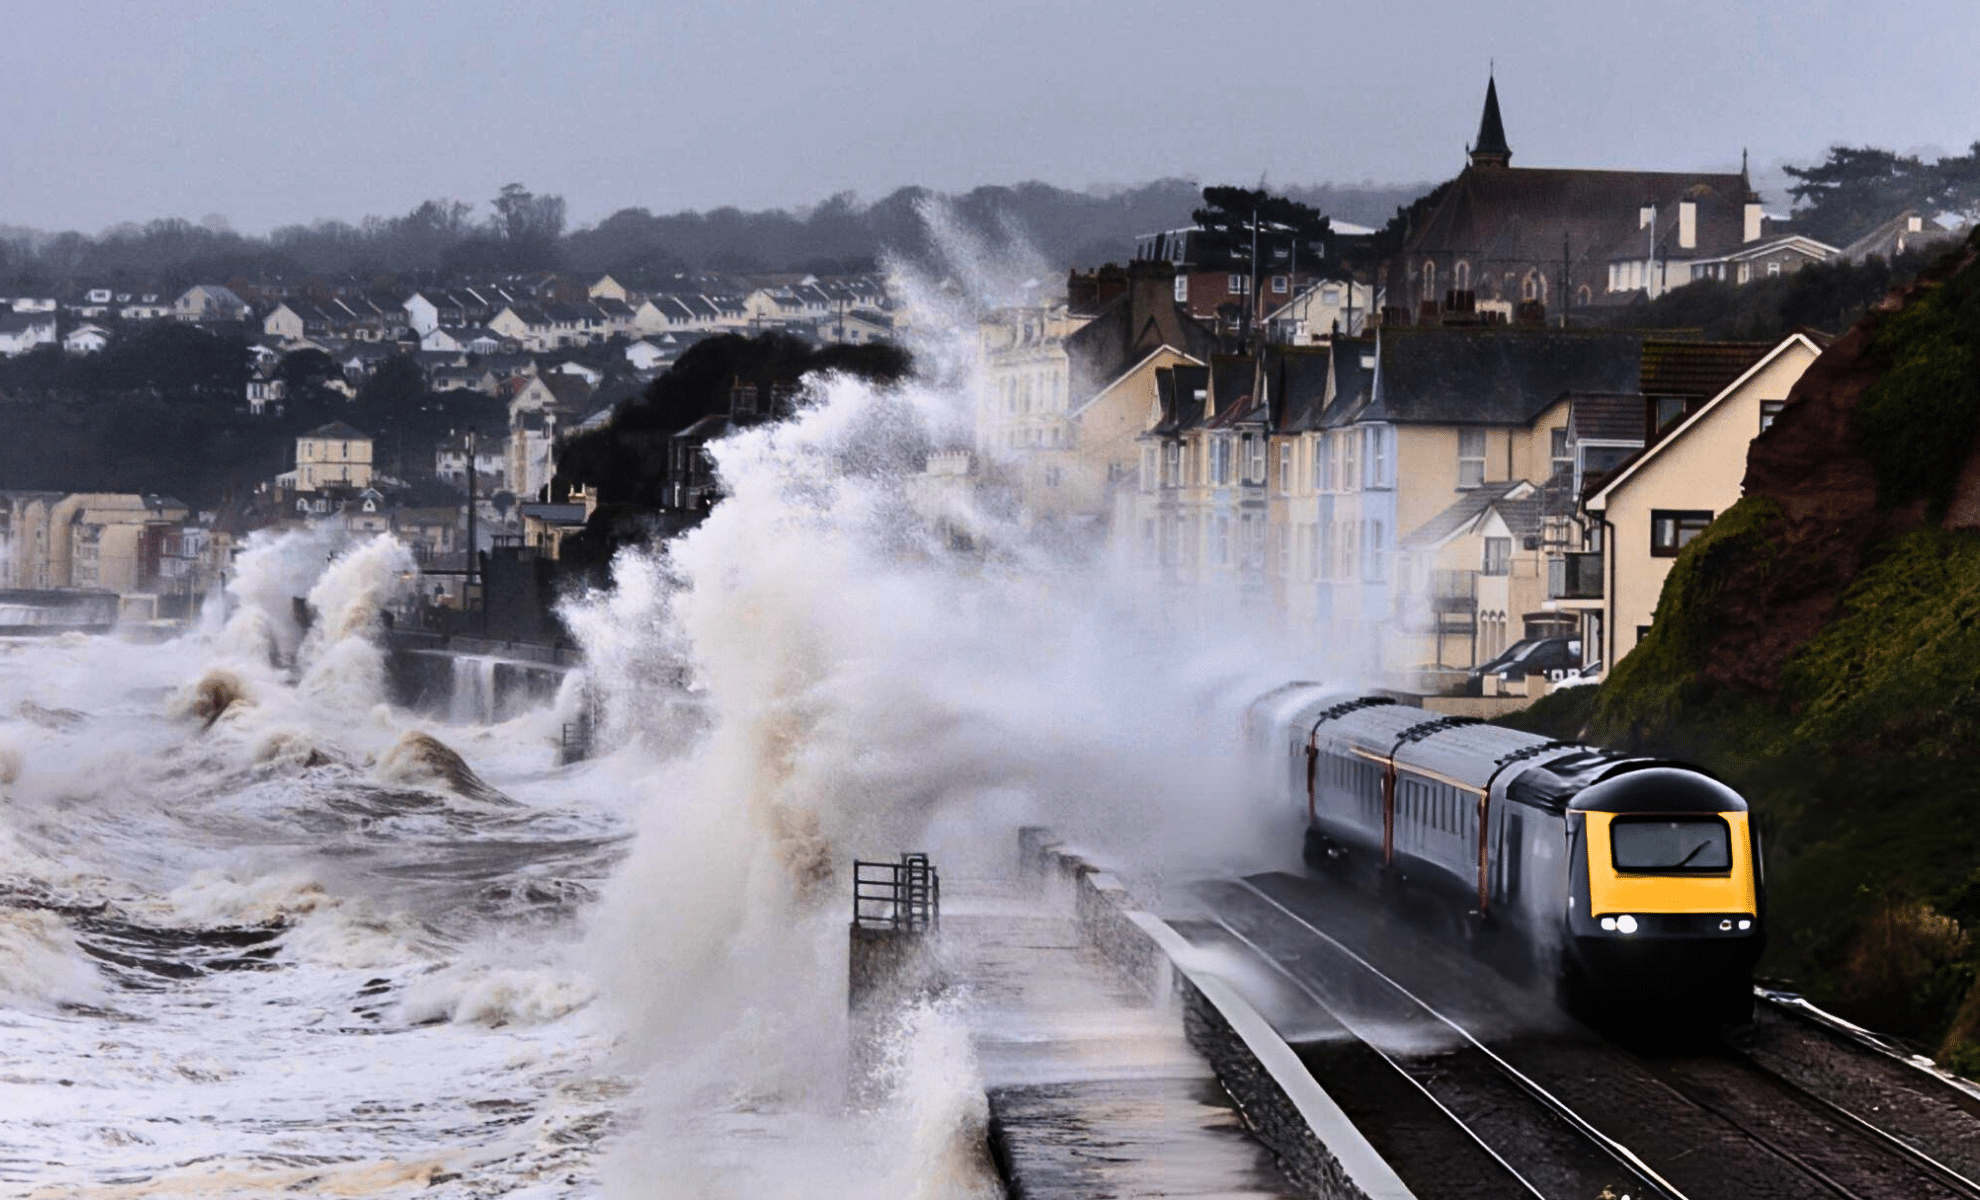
column 1636, row 882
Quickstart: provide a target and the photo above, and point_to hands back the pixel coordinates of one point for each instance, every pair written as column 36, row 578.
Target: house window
column 1330, row 295
column 1498, row 556
column 1251, row 528
column 1237, row 285
column 1285, row 468
column 1471, row 458
column 1172, row 464
column 1350, row 468
column 1429, row 280
column 1279, row 284
column 1769, row 409
column 1052, row 477
column 1773, row 268
column 1671, row 530
column 1373, row 559
column 1182, row 288
column 1669, row 409
column 1377, row 458
column 1557, row 450
column 1220, row 461
column 1462, row 276
column 1254, row 460
column 1323, row 463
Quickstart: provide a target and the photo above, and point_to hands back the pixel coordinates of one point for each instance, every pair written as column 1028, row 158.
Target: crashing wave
column 422, row 759
column 210, row 698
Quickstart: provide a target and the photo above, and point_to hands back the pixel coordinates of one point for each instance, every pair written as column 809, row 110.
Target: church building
column 1501, row 235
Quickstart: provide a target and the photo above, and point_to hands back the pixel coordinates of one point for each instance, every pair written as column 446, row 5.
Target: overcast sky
column 274, row 113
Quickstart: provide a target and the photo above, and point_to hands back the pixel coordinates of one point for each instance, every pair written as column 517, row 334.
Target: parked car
column 1552, row 657
column 1582, row 677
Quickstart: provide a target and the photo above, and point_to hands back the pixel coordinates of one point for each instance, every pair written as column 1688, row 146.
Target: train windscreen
column 1670, row 845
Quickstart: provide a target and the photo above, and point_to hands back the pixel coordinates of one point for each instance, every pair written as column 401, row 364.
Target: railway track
column 1558, row 1111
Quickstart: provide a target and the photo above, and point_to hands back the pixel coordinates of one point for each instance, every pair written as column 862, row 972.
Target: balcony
column 1575, row 576
column 1453, row 591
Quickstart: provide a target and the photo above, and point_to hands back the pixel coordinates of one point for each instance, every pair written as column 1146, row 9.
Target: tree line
column 522, row 230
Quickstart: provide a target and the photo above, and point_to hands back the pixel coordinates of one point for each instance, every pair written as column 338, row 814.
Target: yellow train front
column 1663, row 892
column 1636, row 881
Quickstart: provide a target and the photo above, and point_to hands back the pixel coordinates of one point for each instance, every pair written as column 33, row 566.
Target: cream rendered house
column 1660, row 500
column 118, row 542
column 333, row 455
column 1104, row 445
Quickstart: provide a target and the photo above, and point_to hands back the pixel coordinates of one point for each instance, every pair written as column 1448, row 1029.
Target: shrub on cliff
column 1818, row 646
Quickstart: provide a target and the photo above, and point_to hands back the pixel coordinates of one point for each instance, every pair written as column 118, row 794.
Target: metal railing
column 904, row 896
column 1576, row 575
column 575, row 744
column 1453, row 591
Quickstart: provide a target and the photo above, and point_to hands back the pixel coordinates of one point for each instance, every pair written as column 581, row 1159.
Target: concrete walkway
column 1093, row 1091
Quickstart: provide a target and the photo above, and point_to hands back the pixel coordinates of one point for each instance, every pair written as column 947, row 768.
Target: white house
column 209, row 302
column 21, row 332
column 644, row 355
column 86, row 339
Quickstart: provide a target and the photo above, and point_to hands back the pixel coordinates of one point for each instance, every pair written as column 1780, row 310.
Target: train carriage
column 1635, row 877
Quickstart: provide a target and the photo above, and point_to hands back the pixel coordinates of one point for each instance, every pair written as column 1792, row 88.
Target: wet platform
column 1093, row 1090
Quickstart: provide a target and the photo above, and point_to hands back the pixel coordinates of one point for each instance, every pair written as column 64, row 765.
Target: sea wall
column 1315, row 1143
column 462, row 686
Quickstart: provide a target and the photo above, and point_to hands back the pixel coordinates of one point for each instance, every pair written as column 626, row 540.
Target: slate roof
column 1522, row 213
column 340, row 431
column 1176, row 389
column 706, row 430
column 1494, row 375
column 1700, row 369
column 1296, row 385
column 1523, row 516
column 1491, row 127
column 1605, row 417
column 1468, row 508
column 1231, row 379
column 1353, row 382
column 1119, row 336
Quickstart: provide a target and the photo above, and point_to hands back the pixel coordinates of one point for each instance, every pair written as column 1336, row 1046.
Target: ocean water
column 263, row 933
column 289, row 945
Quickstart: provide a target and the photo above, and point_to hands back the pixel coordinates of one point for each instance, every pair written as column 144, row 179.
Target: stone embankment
column 1117, row 1064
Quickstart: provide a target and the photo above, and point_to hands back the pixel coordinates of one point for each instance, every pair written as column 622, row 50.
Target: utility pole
column 1251, row 301
column 467, row 581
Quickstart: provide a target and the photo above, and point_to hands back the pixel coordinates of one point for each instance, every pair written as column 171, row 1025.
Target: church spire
column 1490, row 150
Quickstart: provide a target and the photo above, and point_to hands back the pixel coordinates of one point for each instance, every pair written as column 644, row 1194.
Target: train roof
column 1461, row 750
column 1465, row 751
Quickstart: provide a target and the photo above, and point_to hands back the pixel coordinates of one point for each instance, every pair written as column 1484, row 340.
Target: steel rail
column 1944, row 1174
column 1964, row 1093
column 1623, row 1155
column 1890, row 1141
column 1458, row 1122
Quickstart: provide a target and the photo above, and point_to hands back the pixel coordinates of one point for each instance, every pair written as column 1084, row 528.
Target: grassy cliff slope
column 1819, row 647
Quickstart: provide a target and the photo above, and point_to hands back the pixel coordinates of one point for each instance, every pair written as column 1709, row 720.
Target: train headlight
column 1609, row 924
column 1745, row 924
column 1626, row 924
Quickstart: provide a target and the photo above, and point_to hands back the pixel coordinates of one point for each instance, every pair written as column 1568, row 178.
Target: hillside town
column 1462, row 463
